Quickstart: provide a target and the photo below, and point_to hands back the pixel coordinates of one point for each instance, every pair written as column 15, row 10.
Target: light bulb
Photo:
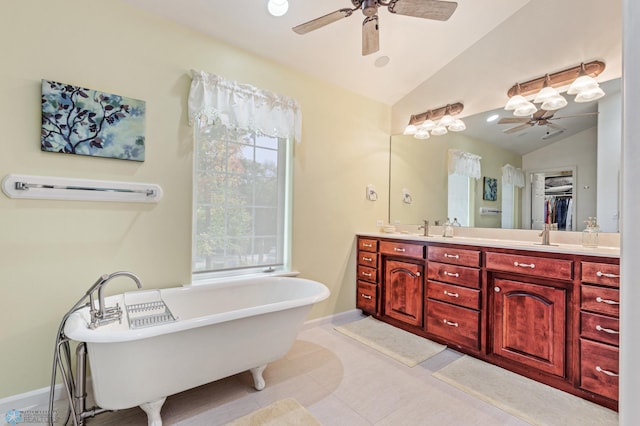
column 422, row 134
column 439, row 130
column 278, row 7
column 446, row 120
column 428, row 124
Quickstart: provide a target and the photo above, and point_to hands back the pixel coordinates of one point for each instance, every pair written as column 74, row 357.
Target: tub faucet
column 425, row 227
column 545, row 234
column 104, row 315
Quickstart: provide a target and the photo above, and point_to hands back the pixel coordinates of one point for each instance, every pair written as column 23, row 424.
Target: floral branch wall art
column 76, row 120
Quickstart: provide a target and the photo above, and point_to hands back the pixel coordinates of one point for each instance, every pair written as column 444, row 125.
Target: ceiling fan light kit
column 436, row 122
column 426, row 9
column 583, row 85
column 278, row 7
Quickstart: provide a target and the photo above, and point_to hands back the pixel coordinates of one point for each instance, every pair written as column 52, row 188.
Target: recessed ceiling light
column 493, row 117
column 381, row 61
column 278, row 7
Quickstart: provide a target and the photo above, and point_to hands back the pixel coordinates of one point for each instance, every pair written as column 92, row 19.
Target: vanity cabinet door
column 529, row 322
column 404, row 289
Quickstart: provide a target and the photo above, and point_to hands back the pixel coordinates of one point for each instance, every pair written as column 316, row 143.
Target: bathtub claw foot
column 258, row 380
column 153, row 411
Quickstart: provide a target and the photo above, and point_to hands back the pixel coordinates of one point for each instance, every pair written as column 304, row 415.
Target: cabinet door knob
column 496, row 289
column 417, row 274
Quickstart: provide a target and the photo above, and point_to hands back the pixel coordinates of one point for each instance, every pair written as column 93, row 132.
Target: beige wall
column 52, row 251
column 421, row 167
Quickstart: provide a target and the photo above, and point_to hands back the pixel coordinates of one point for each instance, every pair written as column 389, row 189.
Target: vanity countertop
column 568, row 247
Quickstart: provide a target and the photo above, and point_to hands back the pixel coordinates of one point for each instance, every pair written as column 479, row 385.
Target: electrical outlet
column 379, row 222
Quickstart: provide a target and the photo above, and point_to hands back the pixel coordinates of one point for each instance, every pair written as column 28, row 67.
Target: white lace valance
column 512, row 176
column 243, row 106
column 464, row 164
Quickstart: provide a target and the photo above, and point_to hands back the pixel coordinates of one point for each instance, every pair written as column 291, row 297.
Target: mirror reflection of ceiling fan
column 427, row 9
column 541, row 118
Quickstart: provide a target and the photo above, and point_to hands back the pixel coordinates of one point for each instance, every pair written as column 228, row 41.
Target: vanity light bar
column 561, row 78
column 434, row 114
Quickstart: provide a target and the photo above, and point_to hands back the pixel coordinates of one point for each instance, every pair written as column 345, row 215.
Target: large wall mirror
column 571, row 170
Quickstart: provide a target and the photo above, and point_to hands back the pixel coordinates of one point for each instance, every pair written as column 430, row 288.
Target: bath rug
column 286, row 412
column 398, row 344
column 533, row 402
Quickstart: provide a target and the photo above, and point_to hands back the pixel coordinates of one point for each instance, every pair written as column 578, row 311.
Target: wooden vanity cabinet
column 453, row 296
column 403, row 281
column 599, row 328
column 529, row 296
column 367, row 270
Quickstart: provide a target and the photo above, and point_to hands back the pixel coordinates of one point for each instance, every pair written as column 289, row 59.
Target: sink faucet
column 425, row 227
column 545, row 234
column 104, row 315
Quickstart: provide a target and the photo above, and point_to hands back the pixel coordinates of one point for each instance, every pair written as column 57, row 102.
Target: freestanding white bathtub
column 220, row 330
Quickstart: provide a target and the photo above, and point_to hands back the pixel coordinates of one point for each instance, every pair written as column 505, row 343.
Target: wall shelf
column 57, row 188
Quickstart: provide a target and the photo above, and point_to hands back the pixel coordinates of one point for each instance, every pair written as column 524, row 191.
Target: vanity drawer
column 469, row 298
column 367, row 297
column 454, row 256
column 601, row 273
column 600, row 328
column 367, row 274
column 600, row 299
column 529, row 265
column 454, row 324
column 415, row 251
column 599, row 368
column 367, row 244
column 461, row 275
column 367, row 259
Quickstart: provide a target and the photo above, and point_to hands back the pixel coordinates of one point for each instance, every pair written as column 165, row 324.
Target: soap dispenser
column 448, row 229
column 590, row 233
column 455, row 222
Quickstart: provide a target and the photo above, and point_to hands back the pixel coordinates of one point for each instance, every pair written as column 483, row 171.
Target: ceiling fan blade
column 370, row 35
column 511, row 120
column 320, row 22
column 586, row 114
column 427, row 9
column 518, row 128
column 542, row 113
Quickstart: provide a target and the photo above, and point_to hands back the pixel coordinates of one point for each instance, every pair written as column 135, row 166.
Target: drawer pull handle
column 366, row 274
column 399, row 249
column 604, row 274
column 451, row 274
column 525, row 265
column 607, row 301
column 366, row 296
column 606, row 330
column 367, row 259
column 451, row 294
column 452, row 256
column 451, row 323
column 417, row 274
column 367, row 245
column 608, row 373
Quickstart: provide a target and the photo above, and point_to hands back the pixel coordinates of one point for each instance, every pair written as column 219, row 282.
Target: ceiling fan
column 541, row 118
column 427, row 9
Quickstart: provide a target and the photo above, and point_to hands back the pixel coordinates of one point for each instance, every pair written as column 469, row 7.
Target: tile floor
column 340, row 381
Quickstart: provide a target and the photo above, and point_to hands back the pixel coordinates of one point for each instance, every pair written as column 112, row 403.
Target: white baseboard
column 40, row 397
column 28, row 400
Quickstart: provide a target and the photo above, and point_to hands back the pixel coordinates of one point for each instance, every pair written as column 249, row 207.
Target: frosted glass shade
column 278, row 7
column 439, row 130
column 545, row 94
column 582, row 83
column 422, row 134
column 457, row 126
column 428, row 125
column 525, row 110
column 515, row 101
column 554, row 103
column 410, row 130
column 589, row 95
column 446, row 120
